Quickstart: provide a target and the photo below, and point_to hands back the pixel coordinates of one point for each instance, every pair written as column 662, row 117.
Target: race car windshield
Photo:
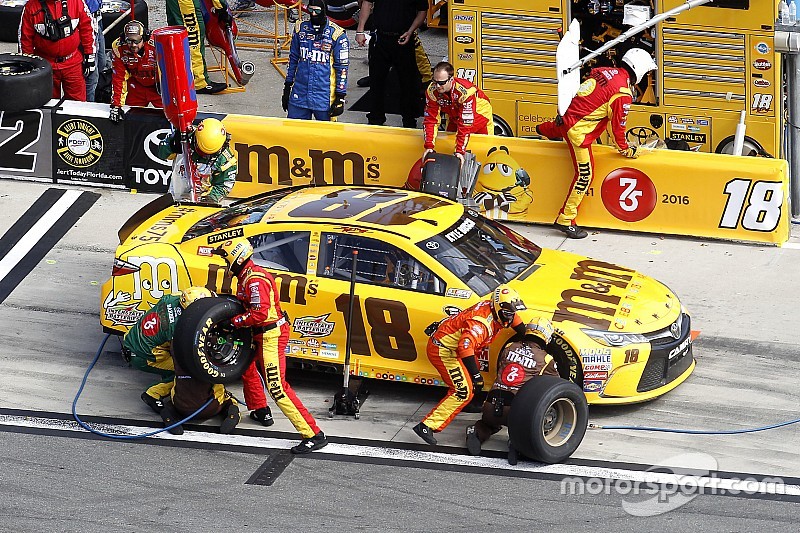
column 481, row 252
column 248, row 212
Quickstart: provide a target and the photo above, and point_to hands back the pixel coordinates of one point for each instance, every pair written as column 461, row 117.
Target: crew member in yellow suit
column 189, row 13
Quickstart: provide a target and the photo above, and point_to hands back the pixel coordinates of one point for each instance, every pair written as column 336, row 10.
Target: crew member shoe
column 363, row 82
column 230, row 418
column 513, row 455
column 571, row 231
column 425, row 433
column 473, row 442
column 212, row 88
column 170, row 416
column 263, row 415
column 154, row 403
column 309, row 445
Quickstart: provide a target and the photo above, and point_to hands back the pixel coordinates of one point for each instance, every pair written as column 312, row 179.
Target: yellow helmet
column 193, row 293
column 505, row 304
column 541, row 328
column 236, row 252
column 210, row 136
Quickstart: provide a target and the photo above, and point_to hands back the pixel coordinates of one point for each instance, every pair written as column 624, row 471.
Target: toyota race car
column 620, row 335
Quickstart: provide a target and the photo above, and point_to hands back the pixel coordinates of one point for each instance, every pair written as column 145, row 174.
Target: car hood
column 168, row 225
column 577, row 290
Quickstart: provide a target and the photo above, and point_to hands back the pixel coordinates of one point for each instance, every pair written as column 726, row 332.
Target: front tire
column 548, row 419
column 203, row 351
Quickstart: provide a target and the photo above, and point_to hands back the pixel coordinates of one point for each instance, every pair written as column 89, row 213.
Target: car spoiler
column 159, row 204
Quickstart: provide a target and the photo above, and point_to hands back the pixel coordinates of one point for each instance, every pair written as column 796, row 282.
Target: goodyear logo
column 226, row 235
column 79, row 143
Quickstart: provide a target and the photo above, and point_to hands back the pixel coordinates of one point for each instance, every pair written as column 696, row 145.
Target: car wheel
column 26, row 82
column 548, row 419
column 10, row 14
column 440, row 174
column 501, row 127
column 750, row 147
column 567, row 360
column 206, row 353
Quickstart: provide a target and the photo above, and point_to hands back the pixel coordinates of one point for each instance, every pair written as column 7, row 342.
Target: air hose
column 697, row 431
column 121, row 437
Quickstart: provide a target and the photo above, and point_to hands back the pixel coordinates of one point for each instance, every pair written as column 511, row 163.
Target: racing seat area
column 286, row 250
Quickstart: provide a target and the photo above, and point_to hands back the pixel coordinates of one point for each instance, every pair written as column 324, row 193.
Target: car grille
column 660, row 369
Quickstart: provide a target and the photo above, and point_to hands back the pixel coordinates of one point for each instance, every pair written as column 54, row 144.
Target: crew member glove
column 116, row 114
column 175, row 144
column 630, row 152
column 337, row 107
column 88, row 64
column 287, row 91
column 224, row 15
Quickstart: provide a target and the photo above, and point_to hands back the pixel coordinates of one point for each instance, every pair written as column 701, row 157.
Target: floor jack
column 348, row 400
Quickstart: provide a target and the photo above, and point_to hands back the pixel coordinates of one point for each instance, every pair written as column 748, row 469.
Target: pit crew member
column 452, row 348
column 134, row 76
column 188, row 13
column 213, row 159
column 258, row 293
column 319, row 50
column 603, row 100
column 517, row 363
column 466, row 108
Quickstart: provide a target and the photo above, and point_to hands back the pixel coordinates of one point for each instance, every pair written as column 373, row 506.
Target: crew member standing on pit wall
column 319, row 52
column 605, row 97
column 188, row 13
column 517, row 363
column 452, row 348
column 56, row 30
column 133, row 80
column 213, row 159
column 467, row 109
column 259, row 294
column 392, row 45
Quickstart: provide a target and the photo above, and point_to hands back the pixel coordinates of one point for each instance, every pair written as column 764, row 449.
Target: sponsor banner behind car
column 145, row 128
column 663, row 191
column 87, row 147
column 25, row 144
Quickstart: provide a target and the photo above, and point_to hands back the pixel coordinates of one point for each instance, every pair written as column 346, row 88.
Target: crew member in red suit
column 56, row 30
column 259, row 295
column 465, row 106
column 452, row 348
column 603, row 100
column 135, row 71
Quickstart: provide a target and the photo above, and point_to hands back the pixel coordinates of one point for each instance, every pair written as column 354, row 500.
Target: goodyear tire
column 26, row 82
column 548, row 419
column 112, row 9
column 10, row 14
column 202, row 351
column 440, row 174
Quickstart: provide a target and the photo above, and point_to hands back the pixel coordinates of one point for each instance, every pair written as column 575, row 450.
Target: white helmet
column 640, row 62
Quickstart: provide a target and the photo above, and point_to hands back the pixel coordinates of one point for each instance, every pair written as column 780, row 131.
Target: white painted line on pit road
column 37, row 231
column 791, row 245
column 713, row 482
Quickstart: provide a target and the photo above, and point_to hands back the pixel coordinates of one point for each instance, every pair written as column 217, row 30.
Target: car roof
column 411, row 214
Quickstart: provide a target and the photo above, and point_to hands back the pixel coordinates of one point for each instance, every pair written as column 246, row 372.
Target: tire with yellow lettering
column 26, row 82
column 548, row 419
column 203, row 350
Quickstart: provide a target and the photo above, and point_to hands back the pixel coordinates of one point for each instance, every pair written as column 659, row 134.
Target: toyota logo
column 151, row 143
column 641, row 134
column 675, row 329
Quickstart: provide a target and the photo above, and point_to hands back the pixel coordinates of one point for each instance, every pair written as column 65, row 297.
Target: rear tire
column 548, row 419
column 26, row 82
column 202, row 351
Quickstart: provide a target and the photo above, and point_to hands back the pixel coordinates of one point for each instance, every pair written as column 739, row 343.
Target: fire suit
column 189, row 13
column 467, row 109
column 603, row 100
column 317, row 71
column 135, row 74
column 517, row 363
column 64, row 55
column 458, row 337
column 259, row 294
column 216, row 172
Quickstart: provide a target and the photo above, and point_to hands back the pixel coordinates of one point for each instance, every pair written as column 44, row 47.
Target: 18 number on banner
column 757, row 204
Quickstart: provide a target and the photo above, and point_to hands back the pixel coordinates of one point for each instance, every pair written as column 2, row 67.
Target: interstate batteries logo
column 79, row 143
column 313, row 326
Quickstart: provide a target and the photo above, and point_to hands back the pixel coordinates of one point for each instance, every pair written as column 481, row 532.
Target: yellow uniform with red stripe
column 457, row 337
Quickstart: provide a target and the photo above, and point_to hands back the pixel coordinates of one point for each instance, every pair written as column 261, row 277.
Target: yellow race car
column 620, row 335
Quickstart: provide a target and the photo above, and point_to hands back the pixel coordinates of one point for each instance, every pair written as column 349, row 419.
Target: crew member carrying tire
column 56, row 30
column 518, row 363
column 147, row 346
column 452, row 348
column 259, row 295
column 135, row 70
column 605, row 97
